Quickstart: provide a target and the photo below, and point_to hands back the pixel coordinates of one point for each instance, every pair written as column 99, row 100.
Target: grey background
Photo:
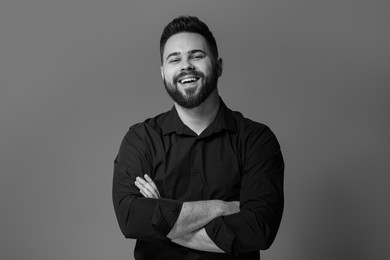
column 75, row 75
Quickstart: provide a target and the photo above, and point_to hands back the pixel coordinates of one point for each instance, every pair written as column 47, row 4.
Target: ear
column 219, row 67
column 162, row 72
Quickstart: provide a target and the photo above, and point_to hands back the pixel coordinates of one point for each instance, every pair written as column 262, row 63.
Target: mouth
column 188, row 80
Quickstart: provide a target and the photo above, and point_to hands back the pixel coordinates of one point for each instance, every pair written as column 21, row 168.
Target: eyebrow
column 189, row 52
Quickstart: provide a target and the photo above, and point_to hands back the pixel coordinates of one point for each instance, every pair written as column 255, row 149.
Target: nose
column 187, row 65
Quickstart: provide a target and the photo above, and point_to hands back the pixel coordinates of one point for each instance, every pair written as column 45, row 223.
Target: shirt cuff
column 165, row 215
column 221, row 235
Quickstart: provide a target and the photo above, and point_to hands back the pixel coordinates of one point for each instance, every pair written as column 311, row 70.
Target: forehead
column 184, row 42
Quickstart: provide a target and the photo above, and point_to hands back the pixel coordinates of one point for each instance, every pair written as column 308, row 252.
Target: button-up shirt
column 233, row 159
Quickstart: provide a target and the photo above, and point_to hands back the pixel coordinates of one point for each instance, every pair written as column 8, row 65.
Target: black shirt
column 234, row 158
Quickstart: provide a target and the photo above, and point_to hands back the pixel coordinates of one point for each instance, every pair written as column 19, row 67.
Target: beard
column 192, row 97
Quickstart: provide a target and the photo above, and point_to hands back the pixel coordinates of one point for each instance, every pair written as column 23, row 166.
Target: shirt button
column 195, row 171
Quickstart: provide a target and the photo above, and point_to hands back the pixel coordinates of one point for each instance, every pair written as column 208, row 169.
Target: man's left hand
column 147, row 187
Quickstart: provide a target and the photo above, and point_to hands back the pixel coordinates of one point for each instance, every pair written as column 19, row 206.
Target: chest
column 198, row 169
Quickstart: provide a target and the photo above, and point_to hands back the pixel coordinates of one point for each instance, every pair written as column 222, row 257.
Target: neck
column 200, row 117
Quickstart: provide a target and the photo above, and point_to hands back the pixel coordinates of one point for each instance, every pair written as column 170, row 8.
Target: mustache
column 193, row 73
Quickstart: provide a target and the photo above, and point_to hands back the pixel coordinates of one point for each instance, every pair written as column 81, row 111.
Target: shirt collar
column 223, row 121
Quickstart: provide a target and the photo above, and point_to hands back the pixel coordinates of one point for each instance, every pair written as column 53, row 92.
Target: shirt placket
column 197, row 184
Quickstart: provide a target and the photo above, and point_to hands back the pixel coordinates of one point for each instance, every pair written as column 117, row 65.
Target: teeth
column 188, row 80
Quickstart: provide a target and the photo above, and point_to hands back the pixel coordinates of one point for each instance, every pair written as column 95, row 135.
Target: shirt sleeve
column 261, row 199
column 139, row 217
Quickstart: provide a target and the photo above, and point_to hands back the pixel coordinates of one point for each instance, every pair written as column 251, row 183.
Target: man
column 199, row 181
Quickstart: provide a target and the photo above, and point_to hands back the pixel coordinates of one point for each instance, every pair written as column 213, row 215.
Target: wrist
column 230, row 207
column 221, row 207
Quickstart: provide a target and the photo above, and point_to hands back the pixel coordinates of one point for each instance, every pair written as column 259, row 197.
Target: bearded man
column 199, row 181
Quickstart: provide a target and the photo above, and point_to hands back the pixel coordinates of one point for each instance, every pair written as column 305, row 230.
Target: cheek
column 168, row 75
column 207, row 68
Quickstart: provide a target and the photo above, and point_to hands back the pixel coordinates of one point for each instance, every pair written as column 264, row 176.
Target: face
column 189, row 70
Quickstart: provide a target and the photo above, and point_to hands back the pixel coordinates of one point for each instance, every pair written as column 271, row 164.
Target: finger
column 151, row 182
column 140, row 187
column 147, row 187
column 141, row 181
column 148, row 179
column 145, row 192
column 150, row 185
column 149, row 194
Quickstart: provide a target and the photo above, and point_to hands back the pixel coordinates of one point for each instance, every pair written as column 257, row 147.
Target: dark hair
column 188, row 24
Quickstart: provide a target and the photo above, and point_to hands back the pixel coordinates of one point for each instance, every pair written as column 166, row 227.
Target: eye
column 175, row 60
column 198, row 56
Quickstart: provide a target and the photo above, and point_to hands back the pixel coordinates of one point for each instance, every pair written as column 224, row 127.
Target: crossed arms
column 188, row 229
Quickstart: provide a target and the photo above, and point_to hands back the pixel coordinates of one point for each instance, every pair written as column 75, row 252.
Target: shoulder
column 150, row 127
column 150, row 124
column 247, row 127
column 253, row 134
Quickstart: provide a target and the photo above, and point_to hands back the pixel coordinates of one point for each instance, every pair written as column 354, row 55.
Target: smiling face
column 189, row 69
